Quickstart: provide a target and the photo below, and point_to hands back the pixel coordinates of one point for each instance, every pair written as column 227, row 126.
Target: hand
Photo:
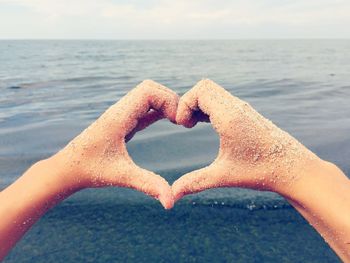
column 98, row 156
column 253, row 153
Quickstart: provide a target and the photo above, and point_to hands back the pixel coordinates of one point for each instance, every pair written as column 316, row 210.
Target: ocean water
column 51, row 90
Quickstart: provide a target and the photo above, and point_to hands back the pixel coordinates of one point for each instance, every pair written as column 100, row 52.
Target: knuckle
column 187, row 101
column 145, row 86
column 148, row 83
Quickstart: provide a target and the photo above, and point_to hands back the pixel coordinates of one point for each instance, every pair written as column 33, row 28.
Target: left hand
column 98, row 156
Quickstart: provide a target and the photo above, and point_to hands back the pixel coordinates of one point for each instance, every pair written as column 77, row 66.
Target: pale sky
column 174, row 19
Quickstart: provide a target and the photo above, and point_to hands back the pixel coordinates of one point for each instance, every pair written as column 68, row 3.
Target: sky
column 174, row 19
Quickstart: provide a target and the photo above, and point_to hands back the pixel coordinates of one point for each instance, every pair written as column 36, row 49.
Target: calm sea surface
column 51, row 90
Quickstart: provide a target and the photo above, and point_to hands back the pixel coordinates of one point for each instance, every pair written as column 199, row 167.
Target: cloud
column 184, row 18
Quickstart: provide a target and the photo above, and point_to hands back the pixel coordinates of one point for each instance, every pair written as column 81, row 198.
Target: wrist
column 292, row 182
column 41, row 187
column 59, row 174
column 311, row 180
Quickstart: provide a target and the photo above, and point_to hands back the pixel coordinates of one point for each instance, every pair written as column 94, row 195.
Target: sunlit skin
column 254, row 153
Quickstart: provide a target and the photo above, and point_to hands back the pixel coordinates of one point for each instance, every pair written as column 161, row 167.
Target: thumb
column 149, row 118
column 151, row 184
column 197, row 181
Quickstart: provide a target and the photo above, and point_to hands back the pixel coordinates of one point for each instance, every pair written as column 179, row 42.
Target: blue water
column 52, row 90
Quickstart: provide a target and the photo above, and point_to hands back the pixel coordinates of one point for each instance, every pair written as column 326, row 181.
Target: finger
column 151, row 117
column 152, row 95
column 160, row 98
column 206, row 99
column 196, row 116
column 153, row 185
column 125, row 173
column 199, row 180
column 136, row 104
column 188, row 103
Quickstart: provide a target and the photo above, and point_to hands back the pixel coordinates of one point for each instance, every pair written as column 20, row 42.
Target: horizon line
column 176, row 39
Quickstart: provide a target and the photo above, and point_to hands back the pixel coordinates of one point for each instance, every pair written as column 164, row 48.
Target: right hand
column 254, row 153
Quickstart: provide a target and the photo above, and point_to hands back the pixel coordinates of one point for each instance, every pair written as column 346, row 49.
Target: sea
column 51, row 90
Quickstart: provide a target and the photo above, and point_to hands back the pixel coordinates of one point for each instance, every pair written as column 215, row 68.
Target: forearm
column 322, row 196
column 41, row 187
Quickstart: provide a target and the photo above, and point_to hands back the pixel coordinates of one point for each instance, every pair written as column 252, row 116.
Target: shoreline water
column 188, row 233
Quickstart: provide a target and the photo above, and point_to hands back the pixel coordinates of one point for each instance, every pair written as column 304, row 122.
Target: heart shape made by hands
column 253, row 152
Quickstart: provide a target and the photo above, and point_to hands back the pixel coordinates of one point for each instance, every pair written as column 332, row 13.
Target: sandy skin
column 253, row 151
column 98, row 156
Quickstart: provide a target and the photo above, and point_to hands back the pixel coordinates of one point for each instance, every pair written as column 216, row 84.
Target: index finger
column 148, row 95
column 207, row 97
